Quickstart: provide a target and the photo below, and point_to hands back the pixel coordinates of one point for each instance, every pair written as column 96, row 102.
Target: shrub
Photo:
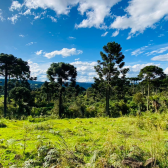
column 118, row 108
column 2, row 124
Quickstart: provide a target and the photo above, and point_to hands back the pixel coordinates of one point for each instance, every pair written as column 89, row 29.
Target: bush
column 36, row 120
column 40, row 111
column 118, row 108
column 91, row 111
column 2, row 124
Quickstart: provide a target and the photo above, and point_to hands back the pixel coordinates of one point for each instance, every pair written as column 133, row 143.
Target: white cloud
column 104, row 34
column 135, row 69
column 115, row 33
column 14, row 18
column 1, row 17
column 31, row 43
column 70, row 37
column 27, row 12
column 39, row 70
column 161, row 35
column 39, row 15
column 15, row 6
column 160, row 58
column 158, row 51
column 21, row 35
column 52, row 18
column 86, row 71
column 39, row 52
column 77, row 59
column 95, row 10
column 65, row 52
column 139, row 51
column 141, row 14
column 166, row 71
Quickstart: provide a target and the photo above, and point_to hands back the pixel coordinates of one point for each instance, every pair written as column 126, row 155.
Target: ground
column 141, row 137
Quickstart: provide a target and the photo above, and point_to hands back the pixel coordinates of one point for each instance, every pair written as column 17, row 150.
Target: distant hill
column 37, row 84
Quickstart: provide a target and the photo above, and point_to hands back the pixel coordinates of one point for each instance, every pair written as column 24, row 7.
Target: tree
column 12, row 67
column 150, row 73
column 21, row 96
column 111, row 68
column 62, row 73
column 138, row 98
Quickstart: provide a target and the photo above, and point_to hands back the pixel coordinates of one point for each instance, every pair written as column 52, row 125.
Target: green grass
column 93, row 141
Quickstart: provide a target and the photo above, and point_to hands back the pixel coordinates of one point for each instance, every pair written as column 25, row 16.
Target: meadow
column 140, row 141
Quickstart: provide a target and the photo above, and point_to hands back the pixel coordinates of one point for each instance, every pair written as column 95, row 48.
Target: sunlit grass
column 84, row 137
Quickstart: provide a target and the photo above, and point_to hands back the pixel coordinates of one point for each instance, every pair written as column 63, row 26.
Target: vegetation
column 117, row 122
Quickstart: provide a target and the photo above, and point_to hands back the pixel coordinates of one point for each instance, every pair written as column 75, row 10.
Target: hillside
column 37, row 84
column 84, row 143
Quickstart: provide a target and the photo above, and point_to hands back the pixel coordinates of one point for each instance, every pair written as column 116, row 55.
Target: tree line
column 112, row 93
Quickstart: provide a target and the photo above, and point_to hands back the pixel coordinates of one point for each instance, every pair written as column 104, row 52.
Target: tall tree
column 110, row 69
column 21, row 96
column 12, row 67
column 150, row 73
column 64, row 74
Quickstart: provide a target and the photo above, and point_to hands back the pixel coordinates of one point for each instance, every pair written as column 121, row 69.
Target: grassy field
column 94, row 142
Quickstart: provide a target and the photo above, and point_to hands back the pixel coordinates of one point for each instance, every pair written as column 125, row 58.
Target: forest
column 118, row 122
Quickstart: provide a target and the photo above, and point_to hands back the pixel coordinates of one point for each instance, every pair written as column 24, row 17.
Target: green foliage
column 2, row 124
column 36, row 120
column 118, row 108
column 110, row 70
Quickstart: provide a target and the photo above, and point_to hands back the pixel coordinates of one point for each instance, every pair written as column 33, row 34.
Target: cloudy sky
column 74, row 31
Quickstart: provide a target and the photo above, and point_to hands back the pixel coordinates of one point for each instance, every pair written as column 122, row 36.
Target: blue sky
column 74, row 31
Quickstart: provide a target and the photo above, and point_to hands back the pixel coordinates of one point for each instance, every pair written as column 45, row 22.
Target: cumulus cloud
column 95, row 10
column 160, row 58
column 14, row 18
column 158, row 51
column 39, row 70
column 15, row 6
column 27, row 12
column 104, row 34
column 115, row 33
column 86, row 71
column 70, row 37
column 1, row 17
column 139, row 51
column 141, row 14
column 21, row 35
column 77, row 59
column 65, row 52
column 135, row 69
column 39, row 15
column 31, row 43
column 39, row 52
column 52, row 18
column 166, row 71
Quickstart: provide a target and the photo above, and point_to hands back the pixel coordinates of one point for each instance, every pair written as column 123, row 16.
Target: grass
column 93, row 142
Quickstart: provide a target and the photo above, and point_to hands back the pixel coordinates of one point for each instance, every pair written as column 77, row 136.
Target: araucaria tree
column 12, row 67
column 64, row 74
column 150, row 73
column 110, row 70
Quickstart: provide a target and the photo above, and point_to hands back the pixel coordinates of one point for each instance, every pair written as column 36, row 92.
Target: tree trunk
column 148, row 98
column 5, row 94
column 60, row 100
column 107, row 101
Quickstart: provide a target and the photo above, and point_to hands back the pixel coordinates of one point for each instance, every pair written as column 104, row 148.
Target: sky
column 75, row 31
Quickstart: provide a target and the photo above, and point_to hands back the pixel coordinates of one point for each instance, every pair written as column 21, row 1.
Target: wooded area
column 112, row 94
